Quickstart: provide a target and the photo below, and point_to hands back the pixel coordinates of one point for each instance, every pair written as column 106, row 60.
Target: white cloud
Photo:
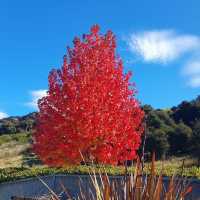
column 162, row 46
column 3, row 115
column 192, row 68
column 36, row 95
column 194, row 81
column 192, row 71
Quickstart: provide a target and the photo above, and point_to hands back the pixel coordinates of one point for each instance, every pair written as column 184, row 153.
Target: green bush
column 21, row 138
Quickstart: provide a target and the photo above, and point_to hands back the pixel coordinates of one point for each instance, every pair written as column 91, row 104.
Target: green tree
column 157, row 142
column 8, row 127
column 147, row 108
column 180, row 139
column 195, row 144
column 187, row 112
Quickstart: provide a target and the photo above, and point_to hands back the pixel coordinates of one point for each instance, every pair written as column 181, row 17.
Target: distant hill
column 16, row 124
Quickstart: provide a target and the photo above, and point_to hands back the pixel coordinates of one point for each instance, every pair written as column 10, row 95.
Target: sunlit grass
column 11, row 154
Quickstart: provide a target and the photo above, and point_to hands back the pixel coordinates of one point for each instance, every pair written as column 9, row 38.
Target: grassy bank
column 9, row 174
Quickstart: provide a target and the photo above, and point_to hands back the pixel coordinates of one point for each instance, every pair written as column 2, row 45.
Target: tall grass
column 135, row 185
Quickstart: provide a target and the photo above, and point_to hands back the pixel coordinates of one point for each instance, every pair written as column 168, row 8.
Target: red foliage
column 90, row 107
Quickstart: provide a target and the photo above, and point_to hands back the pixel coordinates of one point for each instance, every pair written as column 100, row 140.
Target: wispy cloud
column 165, row 46
column 194, row 82
column 192, row 68
column 3, row 115
column 162, row 46
column 192, row 72
column 36, row 95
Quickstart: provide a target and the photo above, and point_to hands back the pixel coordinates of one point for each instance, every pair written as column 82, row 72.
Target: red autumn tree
column 90, row 107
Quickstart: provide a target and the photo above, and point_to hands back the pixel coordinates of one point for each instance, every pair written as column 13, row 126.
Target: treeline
column 175, row 131
column 14, row 125
column 169, row 132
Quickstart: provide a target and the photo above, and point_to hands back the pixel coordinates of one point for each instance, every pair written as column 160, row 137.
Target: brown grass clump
column 133, row 186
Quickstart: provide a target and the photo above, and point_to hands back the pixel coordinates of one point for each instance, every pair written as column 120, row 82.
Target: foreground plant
column 90, row 107
column 132, row 186
column 138, row 186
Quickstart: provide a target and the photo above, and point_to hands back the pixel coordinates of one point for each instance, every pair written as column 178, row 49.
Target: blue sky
column 158, row 40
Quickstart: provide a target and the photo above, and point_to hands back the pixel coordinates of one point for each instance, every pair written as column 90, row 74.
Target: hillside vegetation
column 170, row 132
